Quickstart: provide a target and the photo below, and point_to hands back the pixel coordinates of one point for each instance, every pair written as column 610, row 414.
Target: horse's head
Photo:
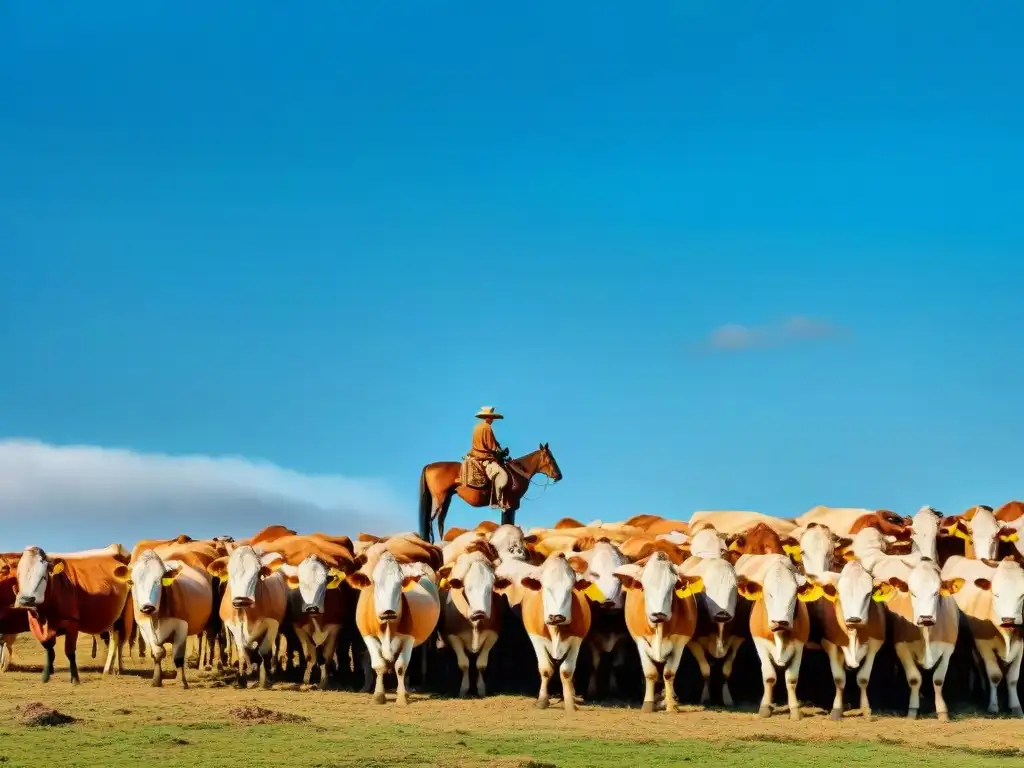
column 548, row 465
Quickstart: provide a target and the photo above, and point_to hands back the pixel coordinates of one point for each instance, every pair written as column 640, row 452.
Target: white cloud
column 734, row 337
column 84, row 496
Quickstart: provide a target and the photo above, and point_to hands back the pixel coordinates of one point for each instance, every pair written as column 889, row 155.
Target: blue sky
column 322, row 236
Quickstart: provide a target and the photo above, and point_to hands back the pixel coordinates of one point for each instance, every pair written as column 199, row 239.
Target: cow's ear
column 56, row 567
column 899, row 584
column 883, row 592
column 410, row 581
column 336, row 577
column 531, row 539
column 269, row 569
column 578, row 564
column 359, row 580
column 218, row 568
column 689, row 585
column 829, row 592
column 170, row 574
column 951, row 586
column 442, row 576
column 808, row 592
column 749, row 590
column 122, row 573
column 501, row 584
column 5, row 570
column 983, row 584
column 1008, row 534
column 792, row 548
column 291, row 579
column 453, row 583
column 629, row 575
column 582, row 584
column 530, row 583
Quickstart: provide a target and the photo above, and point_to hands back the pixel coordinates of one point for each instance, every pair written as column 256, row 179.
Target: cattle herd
column 613, row 607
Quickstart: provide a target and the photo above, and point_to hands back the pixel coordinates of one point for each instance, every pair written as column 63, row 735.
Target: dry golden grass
column 122, row 721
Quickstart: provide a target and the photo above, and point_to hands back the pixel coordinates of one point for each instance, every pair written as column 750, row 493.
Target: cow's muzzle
column 779, row 626
column 926, row 621
column 556, row 620
column 242, row 602
column 148, row 610
column 854, row 621
column 310, row 609
column 1008, row 622
column 722, row 617
column 26, row 601
column 388, row 616
column 477, row 616
column 658, row 618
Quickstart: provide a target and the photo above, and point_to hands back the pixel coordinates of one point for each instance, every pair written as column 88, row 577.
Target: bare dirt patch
column 260, row 716
column 37, row 714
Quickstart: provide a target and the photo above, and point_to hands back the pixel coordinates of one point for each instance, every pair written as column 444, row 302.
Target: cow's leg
column 913, row 674
column 618, row 661
column 238, row 644
column 142, row 647
column 1012, row 680
column 402, row 659
column 459, row 649
column 792, row 677
column 378, row 664
column 158, row 652
column 566, row 670
column 330, row 648
column 650, row 675
column 6, row 651
column 838, row 667
column 994, row 674
column 179, row 643
column 267, row 652
column 671, row 666
column 705, row 669
column 763, row 648
column 595, row 666
column 727, row 665
column 71, row 651
column 864, row 676
column 49, row 648
column 938, row 679
column 483, row 659
column 544, row 667
column 309, row 652
column 114, row 642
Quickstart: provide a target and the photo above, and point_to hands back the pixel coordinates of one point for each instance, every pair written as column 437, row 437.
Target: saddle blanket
column 472, row 473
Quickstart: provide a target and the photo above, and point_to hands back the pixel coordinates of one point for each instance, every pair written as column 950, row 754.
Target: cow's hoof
column 157, row 682
column 322, row 684
column 543, row 702
column 868, row 717
column 402, row 700
column 75, row 681
column 911, row 714
column 836, row 714
column 379, row 698
column 795, row 714
column 765, row 711
column 1017, row 711
column 648, row 706
column 942, row 716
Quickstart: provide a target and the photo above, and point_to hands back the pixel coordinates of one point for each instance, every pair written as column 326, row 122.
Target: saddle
column 472, row 474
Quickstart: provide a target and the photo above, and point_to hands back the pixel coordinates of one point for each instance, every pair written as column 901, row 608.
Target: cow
column 846, row 521
column 990, row 602
column 68, row 596
column 661, row 617
column 762, row 539
column 820, row 549
column 398, row 609
column 471, row 615
column 779, row 623
column 13, row 621
column 707, row 543
column 1010, row 512
column 852, row 622
column 716, row 632
column 319, row 608
column 598, row 561
column 172, row 600
column 556, row 615
column 924, row 622
column 732, row 522
column 985, row 536
column 254, row 605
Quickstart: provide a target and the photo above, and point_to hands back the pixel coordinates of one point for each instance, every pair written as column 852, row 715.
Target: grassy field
column 122, row 721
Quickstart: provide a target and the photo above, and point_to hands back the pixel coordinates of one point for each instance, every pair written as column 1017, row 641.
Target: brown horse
column 439, row 482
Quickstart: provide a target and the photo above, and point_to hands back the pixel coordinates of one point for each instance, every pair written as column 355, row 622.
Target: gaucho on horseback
column 486, row 476
column 486, row 456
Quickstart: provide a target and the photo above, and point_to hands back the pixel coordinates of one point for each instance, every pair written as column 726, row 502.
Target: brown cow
column 398, row 610
column 172, row 600
column 13, row 621
column 1010, row 512
column 556, row 615
column 68, row 596
column 471, row 616
column 254, row 605
column 779, row 622
column 661, row 616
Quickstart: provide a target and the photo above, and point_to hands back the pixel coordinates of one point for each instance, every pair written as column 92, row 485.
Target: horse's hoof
column 379, row 698
column 543, row 702
column 836, row 714
column 647, row 707
column 911, row 714
column 765, row 711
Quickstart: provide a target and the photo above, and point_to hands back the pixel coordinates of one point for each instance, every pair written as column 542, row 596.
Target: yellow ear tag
column 594, row 593
column 793, row 551
column 1012, row 537
column 883, row 594
column 810, row 597
column 443, row 583
column 57, row 569
column 167, row 581
column 410, row 585
column 959, row 533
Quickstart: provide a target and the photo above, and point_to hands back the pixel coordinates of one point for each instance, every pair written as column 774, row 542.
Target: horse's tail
column 426, row 509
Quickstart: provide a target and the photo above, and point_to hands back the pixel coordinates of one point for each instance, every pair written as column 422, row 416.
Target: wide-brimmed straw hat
column 487, row 412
